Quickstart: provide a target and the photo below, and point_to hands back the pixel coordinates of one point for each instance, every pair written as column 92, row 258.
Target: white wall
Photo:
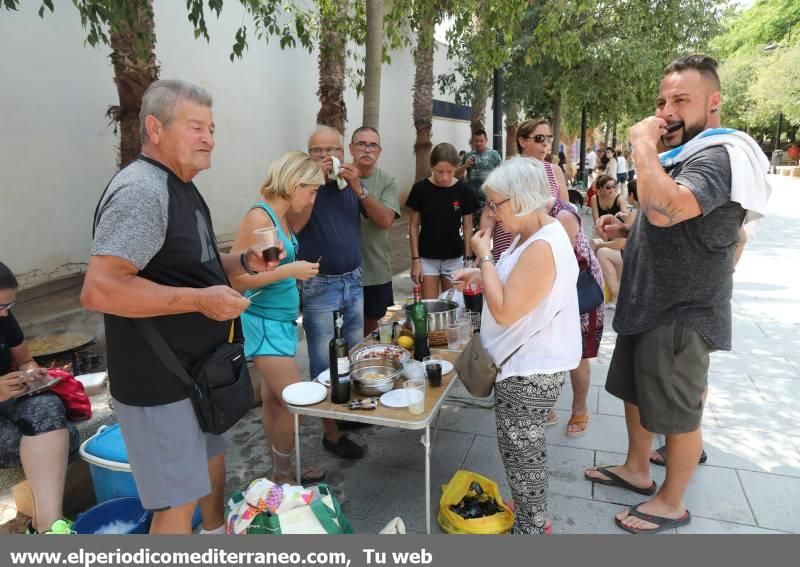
column 57, row 151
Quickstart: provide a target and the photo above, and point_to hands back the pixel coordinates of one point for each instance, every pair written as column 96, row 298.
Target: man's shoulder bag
column 219, row 384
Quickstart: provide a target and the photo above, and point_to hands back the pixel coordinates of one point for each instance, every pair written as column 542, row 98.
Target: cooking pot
column 441, row 313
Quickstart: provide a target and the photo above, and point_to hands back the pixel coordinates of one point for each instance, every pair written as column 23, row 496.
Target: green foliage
column 760, row 70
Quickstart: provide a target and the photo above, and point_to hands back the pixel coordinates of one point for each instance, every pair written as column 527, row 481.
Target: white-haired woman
column 270, row 322
column 530, row 304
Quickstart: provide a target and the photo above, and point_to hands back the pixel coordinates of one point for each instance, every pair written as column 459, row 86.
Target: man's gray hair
column 523, row 181
column 161, row 98
column 321, row 128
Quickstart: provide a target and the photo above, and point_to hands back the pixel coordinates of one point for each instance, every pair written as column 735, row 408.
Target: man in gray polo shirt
column 674, row 307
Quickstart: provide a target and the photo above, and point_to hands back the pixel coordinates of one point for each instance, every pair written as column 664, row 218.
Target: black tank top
column 613, row 210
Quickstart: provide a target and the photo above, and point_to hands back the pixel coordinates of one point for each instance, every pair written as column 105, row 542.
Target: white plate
column 304, row 393
column 381, row 351
column 447, row 367
column 398, row 398
column 324, row 378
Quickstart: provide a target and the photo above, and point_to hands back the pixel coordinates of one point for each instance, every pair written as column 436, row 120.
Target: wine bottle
column 339, row 358
column 419, row 324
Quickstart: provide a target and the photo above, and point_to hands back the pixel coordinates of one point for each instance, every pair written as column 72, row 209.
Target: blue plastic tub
column 108, row 465
column 126, row 510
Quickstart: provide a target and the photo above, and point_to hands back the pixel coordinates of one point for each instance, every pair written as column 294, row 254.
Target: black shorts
column 377, row 298
column 663, row 371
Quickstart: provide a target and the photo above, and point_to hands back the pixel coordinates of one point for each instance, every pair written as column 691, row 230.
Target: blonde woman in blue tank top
column 270, row 322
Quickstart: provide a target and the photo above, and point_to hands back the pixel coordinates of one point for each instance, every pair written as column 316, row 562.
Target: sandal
column 548, row 421
column 660, row 522
column 582, row 421
column 663, row 452
column 616, row 480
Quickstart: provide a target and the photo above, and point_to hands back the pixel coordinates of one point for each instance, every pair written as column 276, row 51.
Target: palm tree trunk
column 133, row 42
column 556, row 124
column 478, row 120
column 372, row 65
column 332, row 63
column 423, row 98
column 512, row 122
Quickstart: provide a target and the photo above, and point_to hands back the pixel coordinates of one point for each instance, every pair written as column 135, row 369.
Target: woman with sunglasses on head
column 34, row 431
column 534, row 140
column 610, row 164
column 270, row 322
column 608, row 200
column 441, row 211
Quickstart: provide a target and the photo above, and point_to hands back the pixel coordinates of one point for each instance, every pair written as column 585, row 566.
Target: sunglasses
column 7, row 306
column 494, row 206
column 539, row 138
column 610, row 186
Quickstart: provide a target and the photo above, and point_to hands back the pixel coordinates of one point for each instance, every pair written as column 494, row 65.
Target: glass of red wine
column 267, row 239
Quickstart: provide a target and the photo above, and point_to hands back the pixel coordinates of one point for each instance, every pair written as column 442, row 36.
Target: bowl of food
column 375, row 376
column 381, row 351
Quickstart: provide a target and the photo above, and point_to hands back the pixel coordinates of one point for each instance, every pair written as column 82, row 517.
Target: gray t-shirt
column 134, row 215
column 685, row 272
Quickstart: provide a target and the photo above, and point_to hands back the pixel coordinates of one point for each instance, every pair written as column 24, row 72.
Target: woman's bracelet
column 415, row 258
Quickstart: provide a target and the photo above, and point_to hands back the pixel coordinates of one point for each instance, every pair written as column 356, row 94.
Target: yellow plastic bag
column 452, row 494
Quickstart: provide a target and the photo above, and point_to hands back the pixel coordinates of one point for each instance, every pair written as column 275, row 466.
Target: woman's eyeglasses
column 494, row 206
column 539, row 138
column 610, row 186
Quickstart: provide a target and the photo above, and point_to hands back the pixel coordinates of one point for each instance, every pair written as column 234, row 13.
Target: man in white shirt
column 622, row 174
column 589, row 163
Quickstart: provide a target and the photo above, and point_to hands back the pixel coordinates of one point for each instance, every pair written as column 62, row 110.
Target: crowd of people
column 508, row 226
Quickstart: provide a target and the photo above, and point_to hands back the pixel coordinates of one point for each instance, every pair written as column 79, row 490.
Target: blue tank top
column 280, row 300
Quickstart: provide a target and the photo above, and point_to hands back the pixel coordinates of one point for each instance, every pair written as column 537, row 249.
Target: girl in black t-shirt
column 34, row 432
column 440, row 226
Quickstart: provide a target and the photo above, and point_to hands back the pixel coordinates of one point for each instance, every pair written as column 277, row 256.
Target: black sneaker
column 345, row 448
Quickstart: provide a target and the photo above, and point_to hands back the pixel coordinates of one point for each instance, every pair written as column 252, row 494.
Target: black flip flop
column 662, row 523
column 619, row 482
column 663, row 452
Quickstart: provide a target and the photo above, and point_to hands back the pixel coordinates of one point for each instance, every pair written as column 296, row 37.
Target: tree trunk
column 332, row 63
column 133, row 42
column 478, row 120
column 423, row 98
column 512, row 122
column 556, row 124
column 372, row 65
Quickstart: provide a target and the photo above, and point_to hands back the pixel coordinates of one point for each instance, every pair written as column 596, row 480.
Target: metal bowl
column 441, row 313
column 375, row 376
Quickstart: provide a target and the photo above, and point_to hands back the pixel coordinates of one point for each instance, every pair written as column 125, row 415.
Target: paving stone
column 737, row 414
column 404, row 496
column 606, row 433
column 564, row 401
column 775, row 500
column 767, row 365
column 599, row 372
column 484, row 459
column 776, row 390
column 566, row 466
column 572, row 515
column 751, row 450
column 700, row 525
column 391, row 447
column 361, row 526
column 457, row 416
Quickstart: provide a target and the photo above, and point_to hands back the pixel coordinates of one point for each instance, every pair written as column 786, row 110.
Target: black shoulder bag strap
column 163, row 351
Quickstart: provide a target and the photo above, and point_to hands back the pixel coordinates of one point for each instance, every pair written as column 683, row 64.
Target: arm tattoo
column 670, row 211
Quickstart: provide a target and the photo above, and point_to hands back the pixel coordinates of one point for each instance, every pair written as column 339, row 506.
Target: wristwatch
column 245, row 266
column 483, row 259
column 364, row 194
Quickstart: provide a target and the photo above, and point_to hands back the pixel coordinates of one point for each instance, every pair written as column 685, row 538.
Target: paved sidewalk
column 751, row 483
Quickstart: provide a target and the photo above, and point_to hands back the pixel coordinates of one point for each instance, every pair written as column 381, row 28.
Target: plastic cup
column 433, row 370
column 464, row 331
column 415, row 393
column 267, row 239
column 385, row 332
column 452, row 337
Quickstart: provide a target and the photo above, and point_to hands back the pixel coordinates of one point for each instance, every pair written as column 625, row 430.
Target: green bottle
column 419, row 325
